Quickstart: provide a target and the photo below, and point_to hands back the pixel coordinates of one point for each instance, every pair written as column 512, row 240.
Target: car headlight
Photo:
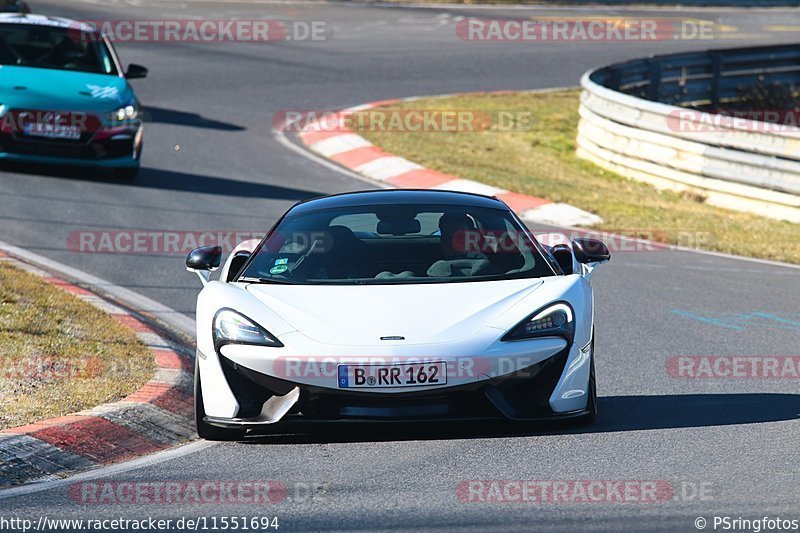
column 231, row 327
column 556, row 319
column 127, row 113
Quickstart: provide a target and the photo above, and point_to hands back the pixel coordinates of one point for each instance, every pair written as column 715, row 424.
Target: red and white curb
column 334, row 142
column 157, row 416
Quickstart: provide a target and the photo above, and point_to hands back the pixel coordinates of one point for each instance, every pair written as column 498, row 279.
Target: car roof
column 398, row 196
column 44, row 20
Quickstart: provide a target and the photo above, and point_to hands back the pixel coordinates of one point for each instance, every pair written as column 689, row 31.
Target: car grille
column 67, row 149
column 520, row 395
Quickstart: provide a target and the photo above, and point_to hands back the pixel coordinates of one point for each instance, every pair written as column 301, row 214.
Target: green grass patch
column 539, row 159
column 59, row 354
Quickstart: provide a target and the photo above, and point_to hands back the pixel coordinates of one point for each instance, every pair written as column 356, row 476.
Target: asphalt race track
column 211, row 163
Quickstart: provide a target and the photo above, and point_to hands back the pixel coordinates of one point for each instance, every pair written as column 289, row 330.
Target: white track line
column 107, row 471
column 302, row 151
column 135, row 300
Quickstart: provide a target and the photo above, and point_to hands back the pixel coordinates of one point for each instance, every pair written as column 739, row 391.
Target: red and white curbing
column 155, row 417
column 335, row 142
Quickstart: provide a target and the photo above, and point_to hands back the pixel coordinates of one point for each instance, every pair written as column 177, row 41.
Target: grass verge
column 59, row 354
column 540, row 160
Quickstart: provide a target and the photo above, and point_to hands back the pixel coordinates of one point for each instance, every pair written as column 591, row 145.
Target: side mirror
column 563, row 256
column 202, row 261
column 590, row 250
column 136, row 71
column 204, row 258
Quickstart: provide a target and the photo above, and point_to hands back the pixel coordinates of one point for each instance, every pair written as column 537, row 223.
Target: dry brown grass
column 59, row 354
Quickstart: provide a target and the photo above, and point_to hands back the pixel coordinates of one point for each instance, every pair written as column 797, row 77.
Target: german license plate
column 52, row 131
column 380, row 376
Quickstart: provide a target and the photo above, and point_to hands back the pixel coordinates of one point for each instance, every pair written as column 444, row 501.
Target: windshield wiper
column 266, row 280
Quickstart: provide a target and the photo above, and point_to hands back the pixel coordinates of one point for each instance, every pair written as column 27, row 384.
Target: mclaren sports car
column 395, row 305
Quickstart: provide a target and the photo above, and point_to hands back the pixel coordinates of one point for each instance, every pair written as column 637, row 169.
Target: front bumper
column 95, row 149
column 546, row 390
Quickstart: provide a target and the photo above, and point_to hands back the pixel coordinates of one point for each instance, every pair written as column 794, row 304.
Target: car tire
column 204, row 430
column 126, row 173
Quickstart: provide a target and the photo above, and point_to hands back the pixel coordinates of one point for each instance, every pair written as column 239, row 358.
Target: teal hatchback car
column 64, row 97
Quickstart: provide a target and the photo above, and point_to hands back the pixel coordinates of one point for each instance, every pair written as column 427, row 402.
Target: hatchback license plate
column 52, row 131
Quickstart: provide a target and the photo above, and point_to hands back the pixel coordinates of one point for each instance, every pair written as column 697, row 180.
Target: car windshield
column 40, row 46
column 396, row 244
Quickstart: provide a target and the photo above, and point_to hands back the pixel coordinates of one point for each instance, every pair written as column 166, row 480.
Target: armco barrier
column 632, row 123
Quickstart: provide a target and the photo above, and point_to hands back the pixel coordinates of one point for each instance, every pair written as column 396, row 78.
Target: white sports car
column 395, row 305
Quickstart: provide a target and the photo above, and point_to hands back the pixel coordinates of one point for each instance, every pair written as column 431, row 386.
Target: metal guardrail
column 635, row 121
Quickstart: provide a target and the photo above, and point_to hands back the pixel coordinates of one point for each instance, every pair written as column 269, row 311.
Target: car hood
column 60, row 90
column 420, row 313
